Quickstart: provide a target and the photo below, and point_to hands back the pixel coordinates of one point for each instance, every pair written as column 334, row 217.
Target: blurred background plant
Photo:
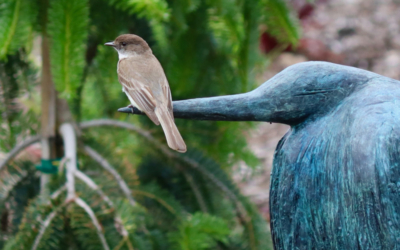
column 132, row 192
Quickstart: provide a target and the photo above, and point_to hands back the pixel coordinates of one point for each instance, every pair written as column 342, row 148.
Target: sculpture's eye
column 123, row 43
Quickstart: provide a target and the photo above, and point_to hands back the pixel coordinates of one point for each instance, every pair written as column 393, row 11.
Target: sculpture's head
column 306, row 90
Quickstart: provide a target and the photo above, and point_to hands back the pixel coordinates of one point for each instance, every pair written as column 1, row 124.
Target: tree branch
column 68, row 133
column 125, row 125
column 159, row 200
column 193, row 164
column 14, row 152
column 46, row 224
column 11, row 181
column 61, row 165
column 196, row 191
column 95, row 222
column 88, row 181
column 104, row 163
column 113, row 123
column 239, row 206
column 58, row 192
column 117, row 220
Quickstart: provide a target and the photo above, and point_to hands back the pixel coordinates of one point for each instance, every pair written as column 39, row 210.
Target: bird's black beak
column 112, row 44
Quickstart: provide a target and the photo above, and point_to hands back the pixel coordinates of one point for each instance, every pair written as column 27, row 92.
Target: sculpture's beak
column 127, row 110
column 112, row 44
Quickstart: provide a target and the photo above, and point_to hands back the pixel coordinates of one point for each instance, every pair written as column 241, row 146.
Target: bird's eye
column 124, row 43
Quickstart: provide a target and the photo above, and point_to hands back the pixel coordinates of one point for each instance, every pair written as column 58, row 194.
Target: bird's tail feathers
column 174, row 138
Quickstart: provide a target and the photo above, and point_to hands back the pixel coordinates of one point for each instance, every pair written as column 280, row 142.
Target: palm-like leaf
column 16, row 22
column 280, row 21
column 68, row 30
column 155, row 11
column 200, row 231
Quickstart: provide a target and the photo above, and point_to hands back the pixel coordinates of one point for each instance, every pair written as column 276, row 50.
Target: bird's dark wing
column 135, row 86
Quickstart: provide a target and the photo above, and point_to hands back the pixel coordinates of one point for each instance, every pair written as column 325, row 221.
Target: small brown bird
column 144, row 82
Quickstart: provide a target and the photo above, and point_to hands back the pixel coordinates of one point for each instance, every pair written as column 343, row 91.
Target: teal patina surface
column 335, row 182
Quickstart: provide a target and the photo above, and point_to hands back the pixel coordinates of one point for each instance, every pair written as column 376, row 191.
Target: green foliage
column 156, row 11
column 232, row 154
column 254, row 226
column 16, row 18
column 29, row 228
column 164, row 199
column 68, row 30
column 206, row 48
column 227, row 24
column 280, row 22
column 150, row 9
column 105, row 91
column 17, row 81
column 200, row 231
column 160, row 220
column 8, row 182
column 17, row 187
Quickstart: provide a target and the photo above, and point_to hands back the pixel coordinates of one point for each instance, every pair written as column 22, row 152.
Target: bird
column 335, row 181
column 144, row 82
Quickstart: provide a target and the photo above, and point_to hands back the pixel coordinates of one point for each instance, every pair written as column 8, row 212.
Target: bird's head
column 129, row 45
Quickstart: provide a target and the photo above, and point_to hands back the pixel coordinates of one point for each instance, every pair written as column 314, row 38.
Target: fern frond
column 253, row 224
column 17, row 75
column 50, row 240
column 200, row 231
column 16, row 18
column 156, row 12
column 280, row 22
column 31, row 225
column 227, row 25
column 159, row 34
column 68, row 30
column 19, row 183
column 157, row 9
column 101, row 88
column 94, row 220
column 232, row 149
column 165, row 199
column 85, row 231
column 8, row 181
column 129, row 214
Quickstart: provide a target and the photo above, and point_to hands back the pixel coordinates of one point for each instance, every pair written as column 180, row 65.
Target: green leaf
column 227, row 25
column 155, row 11
column 35, row 214
column 17, row 76
column 255, row 227
column 200, row 231
column 15, row 24
column 8, row 181
column 280, row 22
column 163, row 198
column 149, row 9
column 68, row 30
